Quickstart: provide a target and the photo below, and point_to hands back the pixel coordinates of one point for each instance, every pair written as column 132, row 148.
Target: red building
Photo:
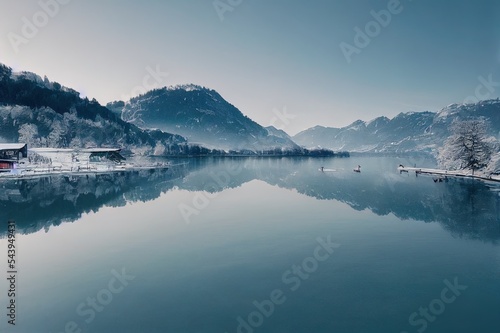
column 11, row 153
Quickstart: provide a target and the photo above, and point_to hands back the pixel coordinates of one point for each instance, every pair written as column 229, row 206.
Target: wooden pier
column 447, row 173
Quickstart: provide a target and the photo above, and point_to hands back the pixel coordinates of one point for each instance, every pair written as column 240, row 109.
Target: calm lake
column 254, row 245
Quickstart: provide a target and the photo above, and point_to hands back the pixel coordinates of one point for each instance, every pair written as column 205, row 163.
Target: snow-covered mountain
column 202, row 116
column 278, row 133
column 43, row 113
column 407, row 132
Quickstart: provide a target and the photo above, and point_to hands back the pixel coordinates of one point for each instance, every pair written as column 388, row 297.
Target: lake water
column 254, row 245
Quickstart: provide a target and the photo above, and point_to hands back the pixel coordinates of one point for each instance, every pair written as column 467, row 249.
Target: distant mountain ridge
column 202, row 116
column 278, row 133
column 42, row 113
column 406, row 132
column 172, row 120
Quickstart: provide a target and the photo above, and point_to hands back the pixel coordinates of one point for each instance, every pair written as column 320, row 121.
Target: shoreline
column 447, row 173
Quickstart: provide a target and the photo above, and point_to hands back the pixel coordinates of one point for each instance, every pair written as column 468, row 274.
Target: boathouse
column 11, row 153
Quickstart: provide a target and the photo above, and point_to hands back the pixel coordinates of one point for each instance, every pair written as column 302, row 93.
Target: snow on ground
column 494, row 165
column 479, row 174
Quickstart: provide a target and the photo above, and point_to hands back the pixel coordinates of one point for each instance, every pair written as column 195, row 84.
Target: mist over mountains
column 193, row 120
column 202, row 116
column 407, row 132
column 45, row 114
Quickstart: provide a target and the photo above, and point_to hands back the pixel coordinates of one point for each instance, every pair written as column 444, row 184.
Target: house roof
column 12, row 146
column 52, row 150
column 77, row 150
column 100, row 150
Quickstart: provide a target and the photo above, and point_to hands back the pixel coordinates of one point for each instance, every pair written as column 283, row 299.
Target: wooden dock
column 441, row 174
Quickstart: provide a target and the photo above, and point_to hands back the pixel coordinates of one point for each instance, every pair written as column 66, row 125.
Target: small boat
column 358, row 169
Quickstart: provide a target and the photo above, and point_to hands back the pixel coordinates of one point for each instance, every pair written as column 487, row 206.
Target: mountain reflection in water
column 468, row 209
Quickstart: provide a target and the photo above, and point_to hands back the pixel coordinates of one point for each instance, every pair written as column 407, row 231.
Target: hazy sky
column 265, row 55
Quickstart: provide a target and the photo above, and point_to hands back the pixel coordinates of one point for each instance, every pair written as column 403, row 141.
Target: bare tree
column 467, row 147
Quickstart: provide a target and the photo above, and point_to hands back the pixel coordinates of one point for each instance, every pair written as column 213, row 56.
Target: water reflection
column 39, row 203
column 467, row 209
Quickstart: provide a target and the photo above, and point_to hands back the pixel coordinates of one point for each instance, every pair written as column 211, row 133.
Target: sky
column 293, row 64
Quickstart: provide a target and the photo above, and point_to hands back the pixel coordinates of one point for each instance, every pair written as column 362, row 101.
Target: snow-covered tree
column 468, row 146
column 55, row 139
column 494, row 165
column 76, row 142
column 28, row 133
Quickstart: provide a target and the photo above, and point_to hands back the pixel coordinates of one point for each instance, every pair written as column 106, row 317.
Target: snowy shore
column 451, row 173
